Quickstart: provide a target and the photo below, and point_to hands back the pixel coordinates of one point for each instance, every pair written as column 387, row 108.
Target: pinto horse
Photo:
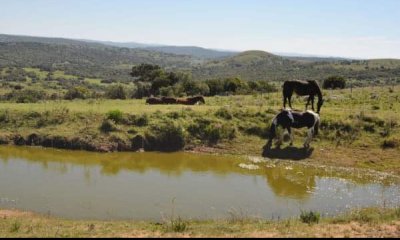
column 302, row 88
column 191, row 100
column 288, row 118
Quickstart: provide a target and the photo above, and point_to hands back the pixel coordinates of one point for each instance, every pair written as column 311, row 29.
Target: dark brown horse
column 154, row 100
column 169, row 100
column 302, row 88
column 191, row 100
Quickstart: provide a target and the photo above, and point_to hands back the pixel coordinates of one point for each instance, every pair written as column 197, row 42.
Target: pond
column 154, row 186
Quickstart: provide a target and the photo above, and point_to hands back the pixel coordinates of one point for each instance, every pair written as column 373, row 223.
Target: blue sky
column 348, row 28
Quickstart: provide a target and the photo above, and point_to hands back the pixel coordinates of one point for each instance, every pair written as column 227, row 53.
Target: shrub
column 116, row 115
column 77, row 93
column 309, row 217
column 4, row 116
column 167, row 136
column 260, row 130
column 369, row 127
column 224, row 113
column 116, row 92
column 139, row 121
column 26, row 96
column 211, row 131
column 108, row 126
column 217, row 132
column 334, row 82
column 390, row 143
column 178, row 225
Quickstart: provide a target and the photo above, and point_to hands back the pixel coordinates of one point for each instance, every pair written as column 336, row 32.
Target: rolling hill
column 100, row 60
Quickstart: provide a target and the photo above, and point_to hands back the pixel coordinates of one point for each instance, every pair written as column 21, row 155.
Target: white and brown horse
column 288, row 119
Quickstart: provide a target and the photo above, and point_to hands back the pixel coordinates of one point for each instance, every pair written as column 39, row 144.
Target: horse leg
column 291, row 135
column 284, row 101
column 310, row 134
column 308, row 102
column 290, row 101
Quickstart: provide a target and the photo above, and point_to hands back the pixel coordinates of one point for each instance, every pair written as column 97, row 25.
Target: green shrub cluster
column 165, row 136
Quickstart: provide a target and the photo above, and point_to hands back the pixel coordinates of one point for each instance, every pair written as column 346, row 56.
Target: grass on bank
column 371, row 222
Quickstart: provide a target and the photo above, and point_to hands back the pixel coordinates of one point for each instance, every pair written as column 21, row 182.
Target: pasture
column 359, row 127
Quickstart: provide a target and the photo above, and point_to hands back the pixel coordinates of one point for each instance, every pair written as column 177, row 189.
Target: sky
column 345, row 28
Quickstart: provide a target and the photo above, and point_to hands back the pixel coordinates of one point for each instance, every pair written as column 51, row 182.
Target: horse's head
column 201, row 99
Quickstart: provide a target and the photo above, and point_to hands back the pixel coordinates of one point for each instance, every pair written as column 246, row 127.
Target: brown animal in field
column 191, row 100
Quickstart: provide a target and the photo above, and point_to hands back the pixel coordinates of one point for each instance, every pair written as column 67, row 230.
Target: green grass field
column 359, row 127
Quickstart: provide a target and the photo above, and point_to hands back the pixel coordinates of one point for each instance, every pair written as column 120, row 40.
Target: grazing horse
column 191, row 100
column 302, row 88
column 288, row 118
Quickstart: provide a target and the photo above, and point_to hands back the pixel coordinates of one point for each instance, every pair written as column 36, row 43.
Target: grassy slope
column 362, row 223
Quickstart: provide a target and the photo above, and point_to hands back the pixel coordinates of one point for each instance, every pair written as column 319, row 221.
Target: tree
column 116, row 92
column 334, row 82
column 215, row 86
column 233, row 84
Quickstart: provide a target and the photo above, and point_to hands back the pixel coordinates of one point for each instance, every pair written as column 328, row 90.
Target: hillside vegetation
column 98, row 60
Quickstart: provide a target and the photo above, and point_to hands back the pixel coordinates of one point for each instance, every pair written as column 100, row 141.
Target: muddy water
column 152, row 186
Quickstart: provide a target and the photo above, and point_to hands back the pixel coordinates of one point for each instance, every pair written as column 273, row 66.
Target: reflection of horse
column 288, row 118
column 290, row 183
column 191, row 100
column 302, row 88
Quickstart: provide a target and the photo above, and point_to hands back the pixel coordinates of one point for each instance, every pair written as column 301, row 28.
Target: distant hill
column 247, row 65
column 101, row 60
column 259, row 65
column 83, row 58
column 197, row 52
column 193, row 51
column 45, row 40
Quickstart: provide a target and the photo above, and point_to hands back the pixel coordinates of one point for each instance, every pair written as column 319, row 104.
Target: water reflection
column 289, row 183
column 120, row 185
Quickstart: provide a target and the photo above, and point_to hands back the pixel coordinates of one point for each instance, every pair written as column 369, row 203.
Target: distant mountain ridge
column 105, row 61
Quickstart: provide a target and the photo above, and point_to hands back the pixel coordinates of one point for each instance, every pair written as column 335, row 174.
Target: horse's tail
column 272, row 130
column 272, row 134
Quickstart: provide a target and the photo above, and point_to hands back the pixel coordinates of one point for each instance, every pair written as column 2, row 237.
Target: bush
column 217, row 132
column 116, row 92
column 224, row 113
column 309, row 217
column 390, row 143
column 116, row 115
column 108, row 126
column 26, row 96
column 168, row 136
column 77, row 93
column 334, row 82
column 211, row 131
column 260, row 130
column 139, row 121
